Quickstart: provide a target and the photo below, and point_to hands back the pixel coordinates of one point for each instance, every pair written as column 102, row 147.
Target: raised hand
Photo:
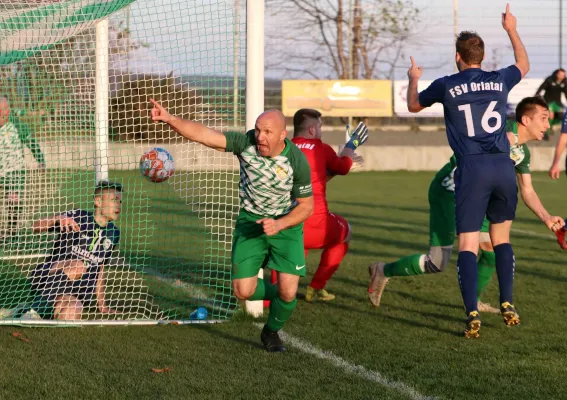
column 357, row 162
column 508, row 20
column 358, row 137
column 68, row 224
column 414, row 72
column 158, row 113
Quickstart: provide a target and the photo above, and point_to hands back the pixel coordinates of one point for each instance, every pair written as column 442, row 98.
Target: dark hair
column 528, row 105
column 471, row 47
column 301, row 116
column 558, row 70
column 104, row 185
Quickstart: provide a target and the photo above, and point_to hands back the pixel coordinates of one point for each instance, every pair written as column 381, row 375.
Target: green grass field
column 410, row 348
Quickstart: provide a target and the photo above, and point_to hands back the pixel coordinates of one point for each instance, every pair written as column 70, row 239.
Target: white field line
column 534, row 234
column 514, row 230
column 548, row 180
column 350, row 368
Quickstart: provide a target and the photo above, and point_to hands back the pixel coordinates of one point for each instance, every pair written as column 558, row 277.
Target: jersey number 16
column 488, row 114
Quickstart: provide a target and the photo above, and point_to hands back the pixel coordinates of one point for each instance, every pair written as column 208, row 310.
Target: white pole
column 101, row 100
column 254, row 89
column 236, row 61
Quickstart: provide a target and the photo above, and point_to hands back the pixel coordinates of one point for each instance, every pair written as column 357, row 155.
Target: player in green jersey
column 531, row 124
column 275, row 198
column 14, row 135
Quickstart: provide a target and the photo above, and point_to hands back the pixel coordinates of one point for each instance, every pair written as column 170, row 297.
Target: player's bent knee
column 469, row 241
column 244, row 288
column 486, row 245
column 287, row 286
column 287, row 292
column 287, row 295
column 484, row 239
column 500, row 233
column 437, row 259
column 68, row 308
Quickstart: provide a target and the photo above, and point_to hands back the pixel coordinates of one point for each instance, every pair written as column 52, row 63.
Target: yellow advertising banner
column 338, row 98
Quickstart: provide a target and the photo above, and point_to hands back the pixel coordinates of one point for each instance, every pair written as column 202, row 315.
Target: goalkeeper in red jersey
column 323, row 229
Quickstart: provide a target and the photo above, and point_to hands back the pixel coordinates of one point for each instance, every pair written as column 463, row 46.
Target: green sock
column 407, row 266
column 280, row 311
column 486, row 268
column 264, row 291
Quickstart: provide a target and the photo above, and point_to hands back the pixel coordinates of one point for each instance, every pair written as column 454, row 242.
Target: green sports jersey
column 446, row 175
column 520, row 154
column 11, row 150
column 269, row 186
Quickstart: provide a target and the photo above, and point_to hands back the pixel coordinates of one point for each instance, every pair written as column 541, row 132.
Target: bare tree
column 337, row 38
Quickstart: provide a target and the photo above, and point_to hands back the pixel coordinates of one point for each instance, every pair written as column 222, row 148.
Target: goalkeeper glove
column 358, row 137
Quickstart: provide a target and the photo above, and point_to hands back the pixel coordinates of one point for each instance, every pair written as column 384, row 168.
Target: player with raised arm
column 275, row 199
column 71, row 279
column 554, row 172
column 531, row 124
column 474, row 103
column 324, row 230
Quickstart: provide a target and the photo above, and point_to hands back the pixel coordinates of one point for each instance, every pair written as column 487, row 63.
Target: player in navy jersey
column 474, row 103
column 72, row 277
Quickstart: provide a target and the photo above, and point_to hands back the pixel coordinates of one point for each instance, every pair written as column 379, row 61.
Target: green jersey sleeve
column 27, row 139
column 301, row 173
column 236, row 142
column 453, row 161
column 524, row 166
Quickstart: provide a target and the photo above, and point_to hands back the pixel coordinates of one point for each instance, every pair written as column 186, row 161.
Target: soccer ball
column 157, row 165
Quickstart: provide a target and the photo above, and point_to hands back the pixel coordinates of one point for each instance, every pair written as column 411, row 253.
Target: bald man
column 14, row 134
column 275, row 198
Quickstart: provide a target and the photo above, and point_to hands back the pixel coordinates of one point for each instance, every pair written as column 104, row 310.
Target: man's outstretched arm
column 190, row 130
column 532, row 201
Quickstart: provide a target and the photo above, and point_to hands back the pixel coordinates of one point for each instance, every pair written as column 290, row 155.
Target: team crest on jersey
column 107, row 243
column 280, row 172
column 517, row 154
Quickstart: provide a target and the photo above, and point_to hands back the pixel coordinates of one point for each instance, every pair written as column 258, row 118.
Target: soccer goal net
column 76, row 79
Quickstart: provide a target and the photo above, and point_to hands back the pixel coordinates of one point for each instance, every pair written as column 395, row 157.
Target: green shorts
column 442, row 228
column 13, row 182
column 252, row 249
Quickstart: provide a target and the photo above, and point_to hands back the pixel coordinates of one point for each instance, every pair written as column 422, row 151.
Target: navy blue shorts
column 47, row 287
column 485, row 184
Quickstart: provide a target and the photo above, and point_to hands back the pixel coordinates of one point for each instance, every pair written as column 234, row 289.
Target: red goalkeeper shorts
column 324, row 230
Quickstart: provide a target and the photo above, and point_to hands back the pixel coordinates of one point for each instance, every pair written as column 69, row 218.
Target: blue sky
column 195, row 37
